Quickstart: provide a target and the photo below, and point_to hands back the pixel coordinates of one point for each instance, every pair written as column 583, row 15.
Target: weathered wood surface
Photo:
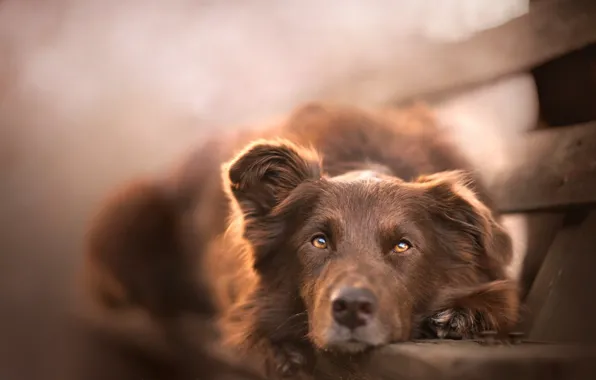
column 470, row 360
column 542, row 228
column 563, row 298
column 556, row 168
column 551, row 28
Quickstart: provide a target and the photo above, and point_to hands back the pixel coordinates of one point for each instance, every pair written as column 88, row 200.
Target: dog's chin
column 348, row 343
column 349, row 347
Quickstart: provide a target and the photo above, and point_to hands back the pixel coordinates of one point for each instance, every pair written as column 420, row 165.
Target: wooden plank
column 562, row 298
column 551, row 28
column 465, row 360
column 542, row 228
column 556, row 168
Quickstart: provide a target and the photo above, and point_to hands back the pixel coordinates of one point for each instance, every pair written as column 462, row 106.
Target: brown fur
column 365, row 180
column 148, row 313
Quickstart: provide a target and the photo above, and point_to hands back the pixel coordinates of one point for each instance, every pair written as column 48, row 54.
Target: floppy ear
column 259, row 180
column 265, row 173
column 455, row 197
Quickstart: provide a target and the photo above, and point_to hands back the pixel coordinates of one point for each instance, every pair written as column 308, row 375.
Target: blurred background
column 95, row 92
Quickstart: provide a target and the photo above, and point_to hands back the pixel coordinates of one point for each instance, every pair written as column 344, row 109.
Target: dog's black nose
column 353, row 307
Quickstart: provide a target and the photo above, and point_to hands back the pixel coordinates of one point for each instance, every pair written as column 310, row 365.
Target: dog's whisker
column 290, row 319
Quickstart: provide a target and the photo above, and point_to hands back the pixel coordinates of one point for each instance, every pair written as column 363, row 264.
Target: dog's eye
column 319, row 242
column 402, row 246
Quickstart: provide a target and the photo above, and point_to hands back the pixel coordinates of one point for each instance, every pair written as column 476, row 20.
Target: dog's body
column 344, row 231
column 148, row 313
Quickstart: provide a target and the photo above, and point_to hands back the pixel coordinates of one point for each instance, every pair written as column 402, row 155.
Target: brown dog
column 345, row 230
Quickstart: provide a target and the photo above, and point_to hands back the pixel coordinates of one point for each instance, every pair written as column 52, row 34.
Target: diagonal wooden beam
column 556, row 168
column 552, row 28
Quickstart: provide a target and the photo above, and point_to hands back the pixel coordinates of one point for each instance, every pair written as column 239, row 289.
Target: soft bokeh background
column 94, row 92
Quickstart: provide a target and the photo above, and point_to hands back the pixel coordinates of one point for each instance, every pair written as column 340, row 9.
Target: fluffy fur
column 362, row 182
column 147, row 312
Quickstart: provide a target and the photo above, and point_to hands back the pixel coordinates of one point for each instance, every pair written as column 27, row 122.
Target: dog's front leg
column 289, row 360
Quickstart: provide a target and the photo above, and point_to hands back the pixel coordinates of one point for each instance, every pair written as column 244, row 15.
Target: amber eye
column 402, row 246
column 319, row 242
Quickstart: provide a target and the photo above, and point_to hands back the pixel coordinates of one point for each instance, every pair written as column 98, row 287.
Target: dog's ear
column 453, row 195
column 136, row 256
column 265, row 172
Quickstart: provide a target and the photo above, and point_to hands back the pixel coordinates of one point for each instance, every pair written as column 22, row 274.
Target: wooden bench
column 553, row 184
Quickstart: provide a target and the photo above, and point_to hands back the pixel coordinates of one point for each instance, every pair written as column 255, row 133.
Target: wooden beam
column 556, row 169
column 562, row 299
column 465, row 360
column 551, row 29
column 542, row 228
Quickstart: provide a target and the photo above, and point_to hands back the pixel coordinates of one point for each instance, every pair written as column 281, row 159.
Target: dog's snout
column 353, row 307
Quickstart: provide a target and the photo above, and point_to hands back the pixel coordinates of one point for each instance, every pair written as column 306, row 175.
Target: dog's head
column 366, row 254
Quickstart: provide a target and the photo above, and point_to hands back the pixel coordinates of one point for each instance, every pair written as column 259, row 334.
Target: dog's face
column 368, row 254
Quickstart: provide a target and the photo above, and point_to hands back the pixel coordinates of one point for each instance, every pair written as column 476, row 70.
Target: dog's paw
column 455, row 324
column 290, row 361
